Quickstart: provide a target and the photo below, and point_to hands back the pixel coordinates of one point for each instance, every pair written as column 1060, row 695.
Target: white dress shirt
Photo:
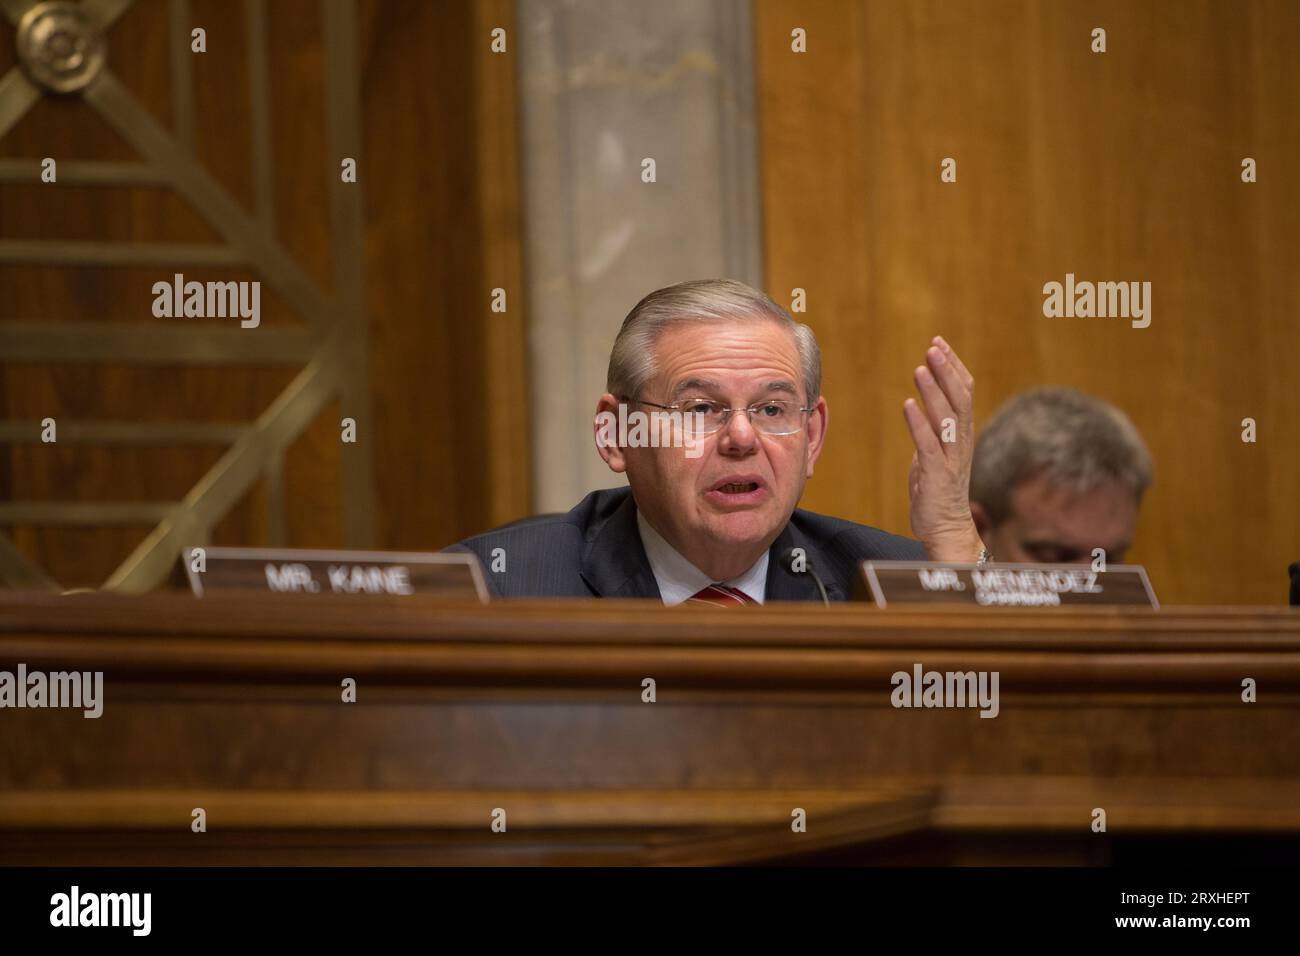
column 678, row 579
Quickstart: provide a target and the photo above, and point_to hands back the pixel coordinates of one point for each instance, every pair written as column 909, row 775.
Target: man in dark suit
column 711, row 512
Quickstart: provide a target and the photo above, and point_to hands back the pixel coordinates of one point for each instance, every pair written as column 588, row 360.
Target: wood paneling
column 438, row 171
column 1117, row 166
column 442, row 232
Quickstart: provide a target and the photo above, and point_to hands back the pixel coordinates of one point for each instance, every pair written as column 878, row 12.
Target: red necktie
column 719, row 595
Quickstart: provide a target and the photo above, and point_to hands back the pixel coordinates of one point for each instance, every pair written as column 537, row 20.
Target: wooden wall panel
column 442, row 210
column 438, row 172
column 1116, row 166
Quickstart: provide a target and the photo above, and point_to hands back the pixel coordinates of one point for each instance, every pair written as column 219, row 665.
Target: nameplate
column 1007, row 585
column 293, row 571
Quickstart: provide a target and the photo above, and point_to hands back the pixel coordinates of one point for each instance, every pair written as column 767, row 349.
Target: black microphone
column 791, row 557
column 1295, row 584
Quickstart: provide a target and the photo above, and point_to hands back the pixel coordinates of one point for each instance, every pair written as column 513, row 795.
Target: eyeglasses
column 770, row 418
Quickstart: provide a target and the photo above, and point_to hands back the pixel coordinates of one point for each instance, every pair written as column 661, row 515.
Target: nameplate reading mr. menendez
column 292, row 571
column 1006, row 585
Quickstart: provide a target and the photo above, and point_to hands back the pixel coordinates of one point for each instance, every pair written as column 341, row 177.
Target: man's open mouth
column 738, row 490
column 739, row 487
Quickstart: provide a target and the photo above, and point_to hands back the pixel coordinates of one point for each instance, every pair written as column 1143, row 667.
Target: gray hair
column 1073, row 439
column 631, row 361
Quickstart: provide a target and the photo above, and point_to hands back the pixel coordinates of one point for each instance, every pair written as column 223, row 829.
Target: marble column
column 606, row 84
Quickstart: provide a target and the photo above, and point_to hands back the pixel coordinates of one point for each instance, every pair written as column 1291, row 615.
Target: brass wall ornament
column 62, row 51
column 60, row 46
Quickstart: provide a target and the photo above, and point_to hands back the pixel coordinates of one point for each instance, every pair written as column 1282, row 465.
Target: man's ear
column 982, row 523
column 605, row 426
column 818, row 419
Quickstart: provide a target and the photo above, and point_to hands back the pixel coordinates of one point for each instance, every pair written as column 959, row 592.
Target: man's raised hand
column 944, row 435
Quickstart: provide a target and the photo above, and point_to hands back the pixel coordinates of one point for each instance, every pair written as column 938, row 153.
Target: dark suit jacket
column 595, row 551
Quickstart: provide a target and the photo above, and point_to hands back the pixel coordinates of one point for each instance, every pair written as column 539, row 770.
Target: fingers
column 933, row 390
column 951, row 380
column 955, row 359
column 946, row 386
column 923, row 435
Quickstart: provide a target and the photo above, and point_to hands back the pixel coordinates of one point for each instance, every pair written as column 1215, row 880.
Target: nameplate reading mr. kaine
column 290, row 571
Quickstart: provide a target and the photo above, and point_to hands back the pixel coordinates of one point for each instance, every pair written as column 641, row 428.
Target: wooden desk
column 234, row 705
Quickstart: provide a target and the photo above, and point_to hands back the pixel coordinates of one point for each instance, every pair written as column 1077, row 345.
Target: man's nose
column 738, row 436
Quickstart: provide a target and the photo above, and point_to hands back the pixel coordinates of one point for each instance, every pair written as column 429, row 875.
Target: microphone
column 789, row 560
column 1295, row 584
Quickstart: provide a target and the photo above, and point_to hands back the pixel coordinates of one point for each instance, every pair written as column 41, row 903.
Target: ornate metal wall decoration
column 61, row 51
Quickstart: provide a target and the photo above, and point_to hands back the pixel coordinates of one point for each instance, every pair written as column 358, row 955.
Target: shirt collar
column 678, row 579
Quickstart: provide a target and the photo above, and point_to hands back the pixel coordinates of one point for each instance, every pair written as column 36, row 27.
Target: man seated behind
column 711, row 521
column 1056, row 475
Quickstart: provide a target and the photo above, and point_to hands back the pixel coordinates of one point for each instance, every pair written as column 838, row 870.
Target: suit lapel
column 782, row 585
column 614, row 562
